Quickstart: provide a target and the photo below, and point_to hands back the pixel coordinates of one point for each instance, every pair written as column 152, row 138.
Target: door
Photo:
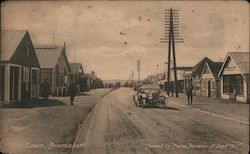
column 34, row 83
column 13, row 83
column 26, row 86
column 209, row 88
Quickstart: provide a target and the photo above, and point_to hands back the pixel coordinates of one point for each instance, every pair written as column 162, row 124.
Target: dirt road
column 117, row 126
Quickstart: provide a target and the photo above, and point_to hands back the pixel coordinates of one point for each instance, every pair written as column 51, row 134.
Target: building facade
column 210, row 83
column 88, row 81
column 54, row 67
column 234, row 77
column 19, row 67
column 77, row 75
column 193, row 76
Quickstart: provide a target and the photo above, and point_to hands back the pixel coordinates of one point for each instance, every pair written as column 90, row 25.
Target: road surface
column 117, row 126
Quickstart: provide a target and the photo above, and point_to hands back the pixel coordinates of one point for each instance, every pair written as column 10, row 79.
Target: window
column 26, row 74
column 65, row 79
column 233, row 83
column 204, row 85
column 226, row 84
column 239, row 85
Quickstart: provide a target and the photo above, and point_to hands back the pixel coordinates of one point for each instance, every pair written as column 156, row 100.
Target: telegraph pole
column 171, row 36
column 138, row 69
column 156, row 71
column 174, row 59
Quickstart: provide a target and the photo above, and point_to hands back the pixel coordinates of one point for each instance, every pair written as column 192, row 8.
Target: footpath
column 28, row 129
column 231, row 110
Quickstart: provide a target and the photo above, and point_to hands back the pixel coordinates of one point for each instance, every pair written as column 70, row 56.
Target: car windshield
column 150, row 88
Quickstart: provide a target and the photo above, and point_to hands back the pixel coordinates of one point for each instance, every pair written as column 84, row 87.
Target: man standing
column 45, row 91
column 72, row 92
column 190, row 93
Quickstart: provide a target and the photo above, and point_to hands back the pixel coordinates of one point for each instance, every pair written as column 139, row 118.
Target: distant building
column 54, row 67
column 193, row 76
column 93, row 80
column 77, row 75
column 19, row 67
column 234, row 77
column 180, row 77
column 97, row 83
column 150, row 79
column 88, row 81
column 210, row 82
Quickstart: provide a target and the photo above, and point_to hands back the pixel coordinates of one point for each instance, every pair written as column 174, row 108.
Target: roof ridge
column 46, row 46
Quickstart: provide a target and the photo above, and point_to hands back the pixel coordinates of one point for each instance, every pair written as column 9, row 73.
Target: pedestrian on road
column 45, row 91
column 172, row 88
column 189, row 91
column 72, row 90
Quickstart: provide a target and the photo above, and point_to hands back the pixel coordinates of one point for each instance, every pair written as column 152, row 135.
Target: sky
column 98, row 30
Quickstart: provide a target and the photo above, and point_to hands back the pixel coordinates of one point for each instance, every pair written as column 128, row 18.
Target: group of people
column 45, row 91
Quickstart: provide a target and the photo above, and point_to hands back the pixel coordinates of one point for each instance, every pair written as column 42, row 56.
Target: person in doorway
column 189, row 92
column 72, row 90
column 45, row 91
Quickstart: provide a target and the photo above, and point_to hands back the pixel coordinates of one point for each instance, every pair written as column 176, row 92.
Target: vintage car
column 137, row 86
column 150, row 95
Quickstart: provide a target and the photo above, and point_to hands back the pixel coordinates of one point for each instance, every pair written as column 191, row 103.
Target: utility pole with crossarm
column 171, row 36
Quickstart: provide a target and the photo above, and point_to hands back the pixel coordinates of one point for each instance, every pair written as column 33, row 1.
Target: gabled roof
column 10, row 39
column 75, row 67
column 214, row 67
column 240, row 58
column 48, row 55
column 198, row 68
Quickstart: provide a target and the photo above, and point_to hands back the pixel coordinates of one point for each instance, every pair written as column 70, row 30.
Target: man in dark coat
column 189, row 91
column 45, row 91
column 72, row 90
